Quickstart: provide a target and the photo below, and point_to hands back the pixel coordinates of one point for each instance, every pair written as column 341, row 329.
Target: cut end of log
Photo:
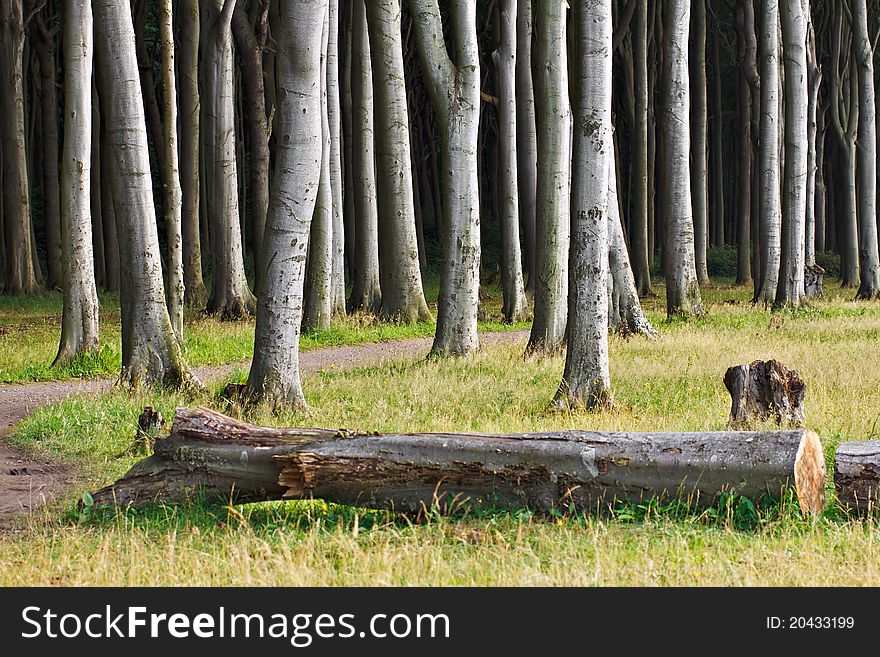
column 809, row 474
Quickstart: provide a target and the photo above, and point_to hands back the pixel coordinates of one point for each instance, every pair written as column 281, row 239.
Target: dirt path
column 26, row 482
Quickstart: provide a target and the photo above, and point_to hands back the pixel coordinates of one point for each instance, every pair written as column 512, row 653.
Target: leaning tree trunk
column 318, row 305
column 454, row 87
column 699, row 140
column 20, row 276
column 222, row 460
column 794, row 17
column 274, row 377
column 625, row 314
column 188, row 79
column 174, row 282
column 682, row 289
column 46, row 50
column 515, row 307
column 586, row 380
column 639, row 215
column 403, row 298
column 231, row 297
column 769, row 165
column 552, row 222
column 869, row 260
column 366, row 292
column 79, row 321
column 250, row 42
column 526, row 137
column 151, row 352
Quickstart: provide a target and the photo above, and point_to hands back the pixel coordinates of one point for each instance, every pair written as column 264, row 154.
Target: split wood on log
column 224, row 459
column 857, row 475
column 765, row 390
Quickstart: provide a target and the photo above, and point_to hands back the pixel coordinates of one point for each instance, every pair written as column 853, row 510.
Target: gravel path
column 26, row 482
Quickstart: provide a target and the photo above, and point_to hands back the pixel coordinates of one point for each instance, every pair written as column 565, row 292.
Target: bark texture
column 857, row 475
column 765, row 390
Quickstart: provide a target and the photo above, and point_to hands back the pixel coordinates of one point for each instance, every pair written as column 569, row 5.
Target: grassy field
column 673, row 384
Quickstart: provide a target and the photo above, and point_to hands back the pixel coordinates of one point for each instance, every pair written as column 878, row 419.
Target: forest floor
column 671, row 384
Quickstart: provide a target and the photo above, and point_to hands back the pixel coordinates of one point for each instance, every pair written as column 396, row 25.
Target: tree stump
column 813, row 277
column 857, row 475
column 765, row 390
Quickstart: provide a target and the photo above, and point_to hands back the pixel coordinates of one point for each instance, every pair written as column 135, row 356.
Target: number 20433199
column 810, row 623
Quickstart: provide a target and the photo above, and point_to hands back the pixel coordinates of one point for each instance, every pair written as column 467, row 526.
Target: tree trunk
column 250, row 41
column 682, row 289
column 231, row 297
column 366, row 292
column 625, row 311
column 221, row 460
column 454, row 87
column 586, row 380
column 514, row 307
column 46, row 50
column 794, row 19
column 318, row 307
column 151, row 352
column 20, row 275
column 553, row 216
column 96, row 184
column 174, row 282
column 814, row 82
column 638, row 234
column 112, row 263
column 188, row 79
column 869, row 260
column 79, row 321
column 821, row 192
column 402, row 296
column 526, row 136
column 348, row 111
column 769, row 166
column 857, row 475
column 718, row 180
column 274, row 377
column 765, row 391
column 334, row 118
column 699, row 140
column 747, row 74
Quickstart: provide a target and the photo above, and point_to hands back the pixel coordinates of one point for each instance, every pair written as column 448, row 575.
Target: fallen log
column 223, row 459
column 857, row 475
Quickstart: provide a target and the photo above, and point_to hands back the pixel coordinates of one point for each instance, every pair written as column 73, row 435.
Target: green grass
column 30, row 328
column 673, row 384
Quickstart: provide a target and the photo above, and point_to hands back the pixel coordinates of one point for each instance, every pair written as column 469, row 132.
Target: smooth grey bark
column 250, row 41
column 639, row 215
column 46, row 50
column 625, row 314
column 863, row 53
column 526, row 136
column 174, row 282
column 366, row 293
column 454, row 87
column 347, row 108
column 334, row 119
column 97, row 215
column 699, row 139
column 814, row 83
column 718, row 186
column 190, row 110
column 403, row 298
column 514, row 305
column 79, row 320
column 20, row 275
column 769, row 165
column 553, row 217
column 682, row 289
column 794, row 19
column 231, row 297
column 151, row 352
column 747, row 88
column 318, row 305
column 112, row 263
column 274, row 377
column 586, row 380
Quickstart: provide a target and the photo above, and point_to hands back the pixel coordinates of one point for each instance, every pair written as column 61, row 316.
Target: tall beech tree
column 586, row 381
column 231, row 297
column 699, row 139
column 79, row 321
column 151, row 351
column 682, row 289
column 403, row 298
column 526, row 136
column 552, row 223
column 274, row 378
column 454, row 87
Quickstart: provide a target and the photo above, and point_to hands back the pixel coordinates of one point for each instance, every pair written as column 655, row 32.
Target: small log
column 227, row 460
column 765, row 390
column 857, row 475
